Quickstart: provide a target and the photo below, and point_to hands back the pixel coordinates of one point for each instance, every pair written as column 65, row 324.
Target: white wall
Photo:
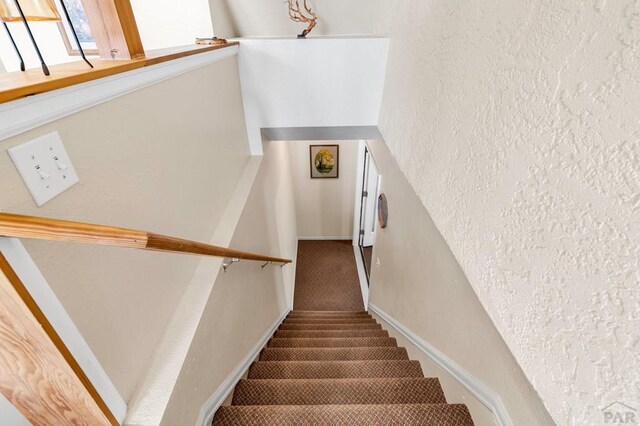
column 49, row 41
column 324, row 207
column 249, row 18
column 9, row 414
column 417, row 280
column 311, row 83
column 247, row 299
column 167, row 23
column 145, row 163
column 516, row 124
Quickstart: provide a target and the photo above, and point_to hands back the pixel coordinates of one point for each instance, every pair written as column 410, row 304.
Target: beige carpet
column 326, row 277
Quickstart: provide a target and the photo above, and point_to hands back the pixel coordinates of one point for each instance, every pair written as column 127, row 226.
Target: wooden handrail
column 40, row 228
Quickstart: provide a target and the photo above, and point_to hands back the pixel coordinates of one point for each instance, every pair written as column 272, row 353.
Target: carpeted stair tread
column 338, row 391
column 333, row 369
column 353, row 415
column 301, row 312
column 330, row 327
column 364, row 320
column 337, row 342
column 329, row 316
column 331, row 333
column 333, row 354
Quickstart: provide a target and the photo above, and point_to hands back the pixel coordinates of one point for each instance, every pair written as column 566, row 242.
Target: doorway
column 369, row 189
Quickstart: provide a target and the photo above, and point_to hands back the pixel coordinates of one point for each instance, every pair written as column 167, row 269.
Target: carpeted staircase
column 330, row 368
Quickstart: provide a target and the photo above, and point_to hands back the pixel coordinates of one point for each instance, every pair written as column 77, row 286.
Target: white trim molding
column 362, row 276
column 28, row 113
column 358, row 195
column 324, row 238
column 295, row 272
column 479, row 390
column 41, row 291
column 208, row 410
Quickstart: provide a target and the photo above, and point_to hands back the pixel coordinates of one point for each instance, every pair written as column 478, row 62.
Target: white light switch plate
column 44, row 166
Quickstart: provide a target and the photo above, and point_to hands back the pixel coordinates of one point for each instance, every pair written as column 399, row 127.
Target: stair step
column 333, row 369
column 330, row 327
column 337, row 342
column 331, row 333
column 354, row 415
column 328, row 313
column 329, row 321
column 329, row 316
column 333, row 354
column 338, row 391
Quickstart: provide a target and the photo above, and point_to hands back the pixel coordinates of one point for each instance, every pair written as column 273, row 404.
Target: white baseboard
column 323, row 238
column 362, row 276
column 208, row 410
column 295, row 271
column 479, row 390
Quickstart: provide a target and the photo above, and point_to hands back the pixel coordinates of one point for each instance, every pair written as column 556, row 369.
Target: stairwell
column 327, row 368
column 330, row 367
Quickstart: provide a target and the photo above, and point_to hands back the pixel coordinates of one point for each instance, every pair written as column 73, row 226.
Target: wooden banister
column 40, row 228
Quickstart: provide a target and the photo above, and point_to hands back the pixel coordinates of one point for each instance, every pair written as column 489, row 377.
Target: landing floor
column 326, row 277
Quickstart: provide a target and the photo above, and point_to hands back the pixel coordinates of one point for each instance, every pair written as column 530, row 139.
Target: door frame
column 357, row 214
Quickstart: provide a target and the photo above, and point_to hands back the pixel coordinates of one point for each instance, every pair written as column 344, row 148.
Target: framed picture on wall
column 324, row 161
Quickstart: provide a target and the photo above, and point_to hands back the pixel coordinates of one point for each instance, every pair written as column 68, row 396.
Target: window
column 46, row 34
column 115, row 29
column 107, row 29
column 180, row 22
column 80, row 21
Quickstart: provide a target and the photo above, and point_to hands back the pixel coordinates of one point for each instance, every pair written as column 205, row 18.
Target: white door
column 370, row 201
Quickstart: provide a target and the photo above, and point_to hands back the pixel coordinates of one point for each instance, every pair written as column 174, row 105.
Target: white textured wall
column 165, row 159
column 517, row 124
column 324, row 207
column 417, row 281
column 250, row 18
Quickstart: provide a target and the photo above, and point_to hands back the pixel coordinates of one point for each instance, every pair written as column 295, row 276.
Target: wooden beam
column 114, row 29
column 16, row 85
column 38, row 374
column 129, row 28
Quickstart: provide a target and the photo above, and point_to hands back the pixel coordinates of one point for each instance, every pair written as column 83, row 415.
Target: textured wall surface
column 247, row 299
column 324, row 207
column 517, row 125
column 165, row 159
column 417, row 280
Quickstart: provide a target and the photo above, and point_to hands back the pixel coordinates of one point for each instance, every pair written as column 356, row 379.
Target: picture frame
column 324, row 161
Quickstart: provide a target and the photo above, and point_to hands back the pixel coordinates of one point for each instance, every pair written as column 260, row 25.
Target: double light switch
column 44, row 166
